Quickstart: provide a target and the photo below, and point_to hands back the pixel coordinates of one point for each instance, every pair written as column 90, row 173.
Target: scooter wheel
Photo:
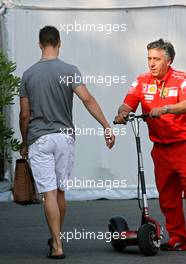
column 118, row 224
column 146, row 242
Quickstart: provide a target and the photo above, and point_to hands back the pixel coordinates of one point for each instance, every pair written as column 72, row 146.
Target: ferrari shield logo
column 164, row 92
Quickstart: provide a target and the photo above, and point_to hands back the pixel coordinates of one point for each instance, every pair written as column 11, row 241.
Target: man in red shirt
column 160, row 88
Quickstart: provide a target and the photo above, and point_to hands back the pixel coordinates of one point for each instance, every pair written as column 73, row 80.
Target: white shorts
column 51, row 159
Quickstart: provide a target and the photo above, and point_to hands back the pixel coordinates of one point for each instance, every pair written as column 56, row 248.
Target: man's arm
column 179, row 108
column 130, row 102
column 94, row 109
column 24, row 118
column 123, row 112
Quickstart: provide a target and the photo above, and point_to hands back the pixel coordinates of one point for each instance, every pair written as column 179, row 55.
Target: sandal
column 50, row 255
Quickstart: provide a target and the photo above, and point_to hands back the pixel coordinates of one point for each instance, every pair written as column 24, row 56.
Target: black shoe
column 168, row 247
column 174, row 244
column 50, row 255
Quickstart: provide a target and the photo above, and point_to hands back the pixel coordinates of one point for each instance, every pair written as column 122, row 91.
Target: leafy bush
column 9, row 86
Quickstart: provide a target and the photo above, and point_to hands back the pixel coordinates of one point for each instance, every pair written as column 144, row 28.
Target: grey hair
column 164, row 45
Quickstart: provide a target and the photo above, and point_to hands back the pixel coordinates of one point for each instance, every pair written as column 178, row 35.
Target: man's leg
column 181, row 164
column 170, row 192
column 42, row 162
column 62, row 206
column 52, row 213
column 64, row 158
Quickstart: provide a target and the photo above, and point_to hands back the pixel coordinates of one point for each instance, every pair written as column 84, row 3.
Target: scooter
column 150, row 233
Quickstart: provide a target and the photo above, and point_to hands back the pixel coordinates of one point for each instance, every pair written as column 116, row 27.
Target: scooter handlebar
column 142, row 116
column 133, row 116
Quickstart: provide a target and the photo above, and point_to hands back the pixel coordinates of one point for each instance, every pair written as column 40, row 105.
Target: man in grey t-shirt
column 50, row 85
column 46, row 99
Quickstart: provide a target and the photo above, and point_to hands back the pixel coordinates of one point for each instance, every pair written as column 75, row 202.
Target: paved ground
column 23, row 234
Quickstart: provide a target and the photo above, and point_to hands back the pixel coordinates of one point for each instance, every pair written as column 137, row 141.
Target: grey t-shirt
column 49, row 85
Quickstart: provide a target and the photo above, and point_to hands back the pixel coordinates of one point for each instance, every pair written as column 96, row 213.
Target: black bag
column 24, row 191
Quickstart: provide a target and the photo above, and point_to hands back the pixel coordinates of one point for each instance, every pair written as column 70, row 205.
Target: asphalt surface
column 24, row 234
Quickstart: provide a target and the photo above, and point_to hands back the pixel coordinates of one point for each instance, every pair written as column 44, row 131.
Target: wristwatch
column 166, row 109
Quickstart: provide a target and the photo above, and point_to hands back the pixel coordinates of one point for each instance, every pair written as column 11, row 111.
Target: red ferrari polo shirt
column 168, row 128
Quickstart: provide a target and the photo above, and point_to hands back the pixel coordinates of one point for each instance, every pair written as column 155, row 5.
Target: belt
column 170, row 144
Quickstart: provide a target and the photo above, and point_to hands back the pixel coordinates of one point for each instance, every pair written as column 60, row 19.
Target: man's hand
column 121, row 118
column 157, row 112
column 24, row 151
column 109, row 137
column 123, row 113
